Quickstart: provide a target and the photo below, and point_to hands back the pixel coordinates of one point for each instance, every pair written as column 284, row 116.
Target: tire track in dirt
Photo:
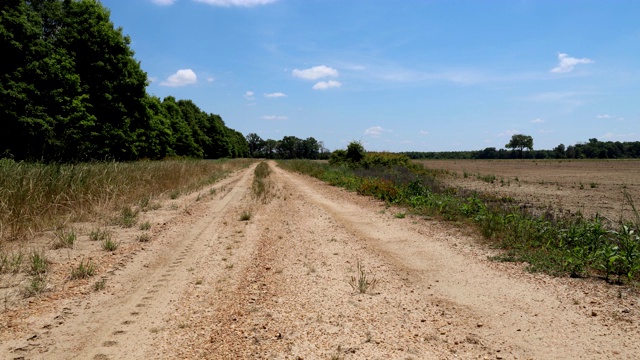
column 123, row 325
column 291, row 298
column 523, row 319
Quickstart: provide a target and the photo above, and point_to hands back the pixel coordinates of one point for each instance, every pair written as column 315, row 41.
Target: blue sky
column 398, row 75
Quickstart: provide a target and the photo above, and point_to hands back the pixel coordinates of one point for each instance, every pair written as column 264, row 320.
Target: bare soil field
column 587, row 186
column 283, row 284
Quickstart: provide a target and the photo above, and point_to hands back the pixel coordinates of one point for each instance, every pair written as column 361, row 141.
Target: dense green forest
column 71, row 90
column 594, row 149
column 290, row 147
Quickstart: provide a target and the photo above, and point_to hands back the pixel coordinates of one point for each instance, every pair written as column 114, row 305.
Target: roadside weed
column 245, row 216
column 144, row 237
column 38, row 262
column 109, row 245
column 361, row 282
column 99, row 285
column 64, row 239
column 399, row 215
column 99, row 235
column 83, row 270
column 36, row 285
column 145, row 225
column 128, row 217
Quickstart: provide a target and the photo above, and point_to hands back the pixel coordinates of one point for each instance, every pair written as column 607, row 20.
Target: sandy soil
column 210, row 286
column 587, row 186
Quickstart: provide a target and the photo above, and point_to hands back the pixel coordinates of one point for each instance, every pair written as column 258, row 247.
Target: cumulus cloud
column 375, row 131
column 163, row 2
column 508, row 133
column 274, row 117
column 537, row 121
column 316, row 72
column 566, row 63
column 249, row 95
column 239, row 3
column 604, row 116
column 324, row 85
column 182, row 77
column 275, row 95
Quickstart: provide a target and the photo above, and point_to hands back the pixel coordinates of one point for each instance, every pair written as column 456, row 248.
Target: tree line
column 71, row 90
column 593, row 149
column 290, row 147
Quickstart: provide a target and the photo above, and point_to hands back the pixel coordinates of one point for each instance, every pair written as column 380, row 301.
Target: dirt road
column 278, row 287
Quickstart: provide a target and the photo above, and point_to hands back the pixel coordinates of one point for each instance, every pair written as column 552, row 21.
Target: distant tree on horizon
column 519, row 142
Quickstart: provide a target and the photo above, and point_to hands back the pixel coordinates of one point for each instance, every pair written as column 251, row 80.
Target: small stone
column 480, row 325
column 594, row 313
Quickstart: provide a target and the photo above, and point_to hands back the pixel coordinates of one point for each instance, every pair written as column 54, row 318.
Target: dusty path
column 278, row 287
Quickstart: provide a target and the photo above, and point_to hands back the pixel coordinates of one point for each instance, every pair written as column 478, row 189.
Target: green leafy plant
column 145, row 225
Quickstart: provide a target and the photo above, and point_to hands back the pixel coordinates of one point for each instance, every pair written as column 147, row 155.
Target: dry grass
column 34, row 197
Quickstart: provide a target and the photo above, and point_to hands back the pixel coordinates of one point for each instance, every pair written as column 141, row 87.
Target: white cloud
column 537, row 121
column 163, row 2
column 567, row 63
column 611, row 135
column 545, row 131
column 508, row 133
column 210, row 79
column 375, row 131
column 249, row 95
column 315, row 72
column 422, row 132
column 274, row 117
column 153, row 79
column 240, row 3
column 275, row 95
column 324, row 85
column 604, row 116
column 182, row 77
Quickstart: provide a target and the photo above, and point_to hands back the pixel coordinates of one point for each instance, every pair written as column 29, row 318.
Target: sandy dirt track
column 211, row 286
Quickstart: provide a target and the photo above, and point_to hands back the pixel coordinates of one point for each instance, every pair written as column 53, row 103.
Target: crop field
column 587, row 186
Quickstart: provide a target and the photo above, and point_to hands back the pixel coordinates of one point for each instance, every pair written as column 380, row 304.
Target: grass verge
column 558, row 245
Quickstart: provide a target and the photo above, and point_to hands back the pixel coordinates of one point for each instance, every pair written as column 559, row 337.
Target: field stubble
column 588, row 187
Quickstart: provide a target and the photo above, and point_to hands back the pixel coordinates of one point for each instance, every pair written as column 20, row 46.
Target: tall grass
column 34, row 197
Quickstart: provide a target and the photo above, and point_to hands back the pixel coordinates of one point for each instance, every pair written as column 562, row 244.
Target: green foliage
column 519, row 141
column 71, row 90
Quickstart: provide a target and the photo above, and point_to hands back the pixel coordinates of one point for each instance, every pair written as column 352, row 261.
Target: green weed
column 128, row 217
column 64, row 239
column 145, row 225
column 99, row 234
column 109, row 245
column 83, row 270
column 38, row 263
